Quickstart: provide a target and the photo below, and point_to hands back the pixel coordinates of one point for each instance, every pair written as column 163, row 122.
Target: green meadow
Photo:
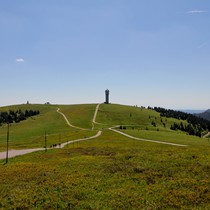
column 80, row 115
column 109, row 172
column 114, row 114
column 31, row 132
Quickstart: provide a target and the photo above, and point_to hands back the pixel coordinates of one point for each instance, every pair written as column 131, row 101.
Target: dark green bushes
column 16, row 116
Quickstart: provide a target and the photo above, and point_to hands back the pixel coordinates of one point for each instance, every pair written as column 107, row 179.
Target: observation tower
column 107, row 96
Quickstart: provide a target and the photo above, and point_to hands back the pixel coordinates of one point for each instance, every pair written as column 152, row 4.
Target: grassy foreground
column 111, row 172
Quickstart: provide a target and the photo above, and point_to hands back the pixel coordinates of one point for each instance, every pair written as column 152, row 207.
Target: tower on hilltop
column 107, row 96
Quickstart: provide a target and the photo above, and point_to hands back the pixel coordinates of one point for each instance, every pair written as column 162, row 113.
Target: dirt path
column 14, row 153
column 95, row 114
column 94, row 117
column 77, row 140
column 205, row 136
column 147, row 140
column 132, row 137
column 93, row 121
column 84, row 129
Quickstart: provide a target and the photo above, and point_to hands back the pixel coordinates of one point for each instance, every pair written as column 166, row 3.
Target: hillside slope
column 142, row 118
column 110, row 172
column 30, row 133
column 143, row 123
column 205, row 115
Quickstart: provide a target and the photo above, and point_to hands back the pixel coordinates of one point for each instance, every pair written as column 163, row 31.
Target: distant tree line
column 196, row 125
column 16, row 116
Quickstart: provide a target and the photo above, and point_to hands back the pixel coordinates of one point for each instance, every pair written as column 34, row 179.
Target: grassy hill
column 114, row 114
column 30, row 133
column 109, row 172
column 139, row 122
column 80, row 115
column 144, row 123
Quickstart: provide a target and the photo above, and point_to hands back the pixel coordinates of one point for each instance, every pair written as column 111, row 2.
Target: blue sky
column 146, row 52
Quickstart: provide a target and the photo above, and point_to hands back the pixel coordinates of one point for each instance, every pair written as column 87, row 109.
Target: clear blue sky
column 147, row 52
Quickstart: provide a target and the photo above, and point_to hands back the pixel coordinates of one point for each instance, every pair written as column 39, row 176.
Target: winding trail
column 132, row 137
column 14, row 153
column 94, row 117
column 77, row 140
column 95, row 114
column 147, row 140
column 64, row 116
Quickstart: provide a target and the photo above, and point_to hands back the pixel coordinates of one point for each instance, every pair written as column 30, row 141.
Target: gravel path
column 14, row 153
column 140, row 139
column 58, row 110
column 95, row 114
column 94, row 117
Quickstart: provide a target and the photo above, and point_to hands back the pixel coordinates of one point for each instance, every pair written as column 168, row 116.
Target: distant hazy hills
column 199, row 113
column 189, row 111
column 205, row 115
